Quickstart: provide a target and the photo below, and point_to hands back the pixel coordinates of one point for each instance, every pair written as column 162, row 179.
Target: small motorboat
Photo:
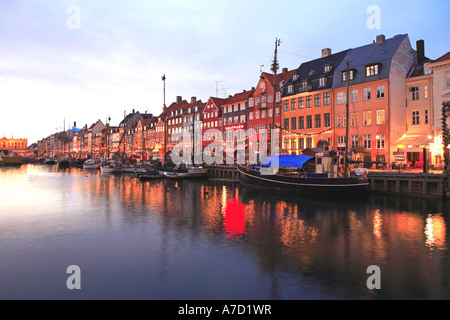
column 111, row 167
column 90, row 164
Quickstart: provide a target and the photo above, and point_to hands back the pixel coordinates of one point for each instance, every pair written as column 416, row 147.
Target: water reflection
column 273, row 245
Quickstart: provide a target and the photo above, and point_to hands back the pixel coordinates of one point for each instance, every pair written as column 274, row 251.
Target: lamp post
column 378, row 139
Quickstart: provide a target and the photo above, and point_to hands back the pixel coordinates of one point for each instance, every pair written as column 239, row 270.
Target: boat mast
column 165, row 117
column 347, row 119
column 274, row 99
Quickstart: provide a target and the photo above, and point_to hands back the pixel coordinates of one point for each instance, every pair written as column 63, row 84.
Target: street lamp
column 378, row 139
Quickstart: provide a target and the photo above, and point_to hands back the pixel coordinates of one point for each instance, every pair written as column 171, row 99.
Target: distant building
column 16, row 145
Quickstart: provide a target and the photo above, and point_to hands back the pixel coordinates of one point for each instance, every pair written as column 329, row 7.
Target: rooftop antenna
column 261, row 69
column 217, row 88
column 225, row 91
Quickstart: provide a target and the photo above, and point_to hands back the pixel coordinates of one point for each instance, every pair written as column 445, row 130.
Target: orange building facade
column 13, row 144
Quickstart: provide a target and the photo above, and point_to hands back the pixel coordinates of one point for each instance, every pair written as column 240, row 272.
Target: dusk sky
column 84, row 60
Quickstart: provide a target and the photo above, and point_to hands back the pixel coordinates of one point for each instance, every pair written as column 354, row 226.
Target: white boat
column 111, row 167
column 90, row 165
column 196, row 172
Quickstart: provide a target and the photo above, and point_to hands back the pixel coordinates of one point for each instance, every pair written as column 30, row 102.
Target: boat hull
column 111, row 170
column 306, row 185
column 11, row 161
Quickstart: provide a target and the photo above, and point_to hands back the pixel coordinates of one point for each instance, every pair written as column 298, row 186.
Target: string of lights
column 305, row 134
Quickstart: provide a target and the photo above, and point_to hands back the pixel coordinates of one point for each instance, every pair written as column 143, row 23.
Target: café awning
column 414, row 141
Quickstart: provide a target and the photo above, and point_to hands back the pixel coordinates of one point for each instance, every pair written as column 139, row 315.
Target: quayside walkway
column 412, row 182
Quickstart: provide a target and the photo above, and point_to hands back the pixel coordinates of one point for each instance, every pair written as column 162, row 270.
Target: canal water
column 203, row 240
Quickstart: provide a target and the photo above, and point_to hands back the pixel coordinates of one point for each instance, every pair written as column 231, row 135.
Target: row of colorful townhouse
column 394, row 110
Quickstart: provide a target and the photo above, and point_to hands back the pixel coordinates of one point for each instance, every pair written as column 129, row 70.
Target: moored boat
column 11, row 160
column 289, row 173
column 173, row 175
column 90, row 164
column 111, row 167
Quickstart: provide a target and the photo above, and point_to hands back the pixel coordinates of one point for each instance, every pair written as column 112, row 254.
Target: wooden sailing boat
column 289, row 172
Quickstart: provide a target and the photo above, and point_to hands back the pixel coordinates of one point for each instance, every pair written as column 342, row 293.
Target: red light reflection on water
column 234, row 219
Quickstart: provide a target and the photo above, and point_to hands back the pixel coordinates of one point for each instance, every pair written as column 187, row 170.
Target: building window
column 263, row 114
column 309, row 142
column 256, row 115
column 262, row 87
column 341, row 97
column 367, row 94
column 317, row 121
column 286, row 105
column 381, row 116
column 380, row 91
column 270, row 98
column 414, row 93
column 294, row 123
column 447, row 79
column 372, row 70
column 354, row 119
column 425, row 92
column 368, row 141
column 277, row 112
column 317, row 100
column 308, row 101
column 381, row 138
column 344, row 75
column 354, row 95
column 293, row 144
column 355, row 142
column 367, row 118
column 243, row 118
column 326, row 120
column 286, row 124
column 250, row 116
column 305, row 85
column 415, row 117
column 341, row 141
column 301, row 122
column 308, row 122
column 293, row 101
column 290, row 88
column 327, row 68
column 340, row 123
column 426, row 117
column 300, row 103
column 301, row 143
column 277, row 97
column 326, row 99
column 322, row 81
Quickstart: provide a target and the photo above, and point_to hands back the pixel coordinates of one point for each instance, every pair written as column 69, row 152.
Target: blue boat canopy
column 289, row 161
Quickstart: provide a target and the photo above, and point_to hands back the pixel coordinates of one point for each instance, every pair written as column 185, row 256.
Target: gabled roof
column 313, row 70
column 375, row 53
column 443, row 58
column 238, row 97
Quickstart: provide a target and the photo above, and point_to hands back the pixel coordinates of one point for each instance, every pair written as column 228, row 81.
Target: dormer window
column 305, row 85
column 311, row 72
column 327, row 68
column 295, row 77
column 351, row 73
column 322, row 81
column 290, row 88
column 372, row 70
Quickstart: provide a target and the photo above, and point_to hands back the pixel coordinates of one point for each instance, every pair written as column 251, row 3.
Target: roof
column 443, row 58
column 238, row 97
column 375, row 53
column 312, row 71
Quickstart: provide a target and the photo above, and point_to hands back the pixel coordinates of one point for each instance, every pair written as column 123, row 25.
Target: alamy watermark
column 239, row 146
column 374, row 20
column 74, row 280
column 73, row 22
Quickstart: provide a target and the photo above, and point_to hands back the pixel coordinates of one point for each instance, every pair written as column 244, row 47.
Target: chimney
column 420, row 46
column 284, row 70
column 179, row 98
column 326, row 52
column 380, row 38
column 133, row 111
column 193, row 99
